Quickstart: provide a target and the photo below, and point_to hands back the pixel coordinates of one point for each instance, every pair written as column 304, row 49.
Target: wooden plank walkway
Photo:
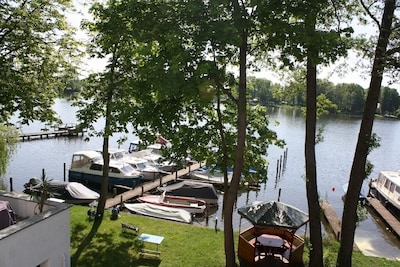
column 332, row 218
column 390, row 220
column 145, row 187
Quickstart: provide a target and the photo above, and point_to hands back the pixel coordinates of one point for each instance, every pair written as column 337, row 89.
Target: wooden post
column 65, row 172
column 11, row 184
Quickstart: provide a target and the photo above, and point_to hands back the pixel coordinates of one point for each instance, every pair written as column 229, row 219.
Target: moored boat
column 70, row 192
column 210, row 175
column 148, row 171
column 199, row 190
column 387, row 188
column 161, row 212
column 87, row 167
column 190, row 204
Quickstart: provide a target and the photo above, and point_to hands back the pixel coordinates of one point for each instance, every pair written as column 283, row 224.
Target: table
column 154, row 239
column 271, row 244
column 271, row 240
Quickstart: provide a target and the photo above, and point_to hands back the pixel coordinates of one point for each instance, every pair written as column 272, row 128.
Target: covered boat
column 190, row 204
column 71, row 192
column 194, row 189
column 161, row 212
column 87, row 167
column 7, row 215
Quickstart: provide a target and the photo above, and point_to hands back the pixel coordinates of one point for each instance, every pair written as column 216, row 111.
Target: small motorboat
column 70, row 192
column 161, row 212
column 199, row 190
column 190, row 204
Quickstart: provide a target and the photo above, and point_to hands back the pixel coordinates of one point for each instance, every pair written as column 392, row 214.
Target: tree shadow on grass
column 110, row 249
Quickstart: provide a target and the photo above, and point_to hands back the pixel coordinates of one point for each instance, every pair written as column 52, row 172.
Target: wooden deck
column 51, row 133
column 390, row 220
column 332, row 218
column 142, row 188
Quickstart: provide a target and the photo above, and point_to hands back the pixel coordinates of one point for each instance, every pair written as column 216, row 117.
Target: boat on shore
column 87, row 167
column 190, row 204
column 199, row 190
column 386, row 188
column 160, row 212
column 70, row 192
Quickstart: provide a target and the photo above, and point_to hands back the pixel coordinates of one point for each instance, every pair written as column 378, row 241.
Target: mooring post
column 11, row 184
column 65, row 171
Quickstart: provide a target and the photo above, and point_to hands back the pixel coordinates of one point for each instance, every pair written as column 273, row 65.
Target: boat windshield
column 126, row 168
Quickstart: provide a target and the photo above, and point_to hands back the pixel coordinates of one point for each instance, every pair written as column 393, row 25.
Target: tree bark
column 314, row 209
column 357, row 174
column 237, row 171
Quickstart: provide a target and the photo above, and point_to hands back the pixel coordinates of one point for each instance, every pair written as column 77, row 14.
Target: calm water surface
column 334, row 159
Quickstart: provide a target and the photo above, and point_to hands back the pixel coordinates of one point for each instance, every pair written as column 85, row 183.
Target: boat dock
column 142, row 188
column 389, row 219
column 333, row 219
column 65, row 130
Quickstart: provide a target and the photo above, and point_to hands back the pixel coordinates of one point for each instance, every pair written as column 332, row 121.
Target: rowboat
column 190, row 204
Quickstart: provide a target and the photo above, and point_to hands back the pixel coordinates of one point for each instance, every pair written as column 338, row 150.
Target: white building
column 36, row 239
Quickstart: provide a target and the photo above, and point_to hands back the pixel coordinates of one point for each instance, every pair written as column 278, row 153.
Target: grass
column 183, row 245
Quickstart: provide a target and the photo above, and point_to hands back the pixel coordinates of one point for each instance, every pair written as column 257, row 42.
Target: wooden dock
column 60, row 131
column 333, row 219
column 145, row 187
column 390, row 220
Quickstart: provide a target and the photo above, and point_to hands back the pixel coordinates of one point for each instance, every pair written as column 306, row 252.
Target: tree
column 8, row 145
column 365, row 138
column 176, row 83
column 37, row 53
column 389, row 100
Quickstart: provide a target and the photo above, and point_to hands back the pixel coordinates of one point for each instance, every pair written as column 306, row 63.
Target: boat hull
column 161, row 212
column 86, row 178
column 191, row 205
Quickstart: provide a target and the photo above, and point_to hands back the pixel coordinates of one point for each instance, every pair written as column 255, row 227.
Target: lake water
column 334, row 159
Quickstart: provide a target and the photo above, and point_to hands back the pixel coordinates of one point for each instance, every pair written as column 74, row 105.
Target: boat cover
column 7, row 215
column 162, row 212
column 274, row 214
column 79, row 191
column 192, row 189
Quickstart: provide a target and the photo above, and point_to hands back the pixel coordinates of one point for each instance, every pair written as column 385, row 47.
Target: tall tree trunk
column 314, row 209
column 357, row 174
column 237, row 171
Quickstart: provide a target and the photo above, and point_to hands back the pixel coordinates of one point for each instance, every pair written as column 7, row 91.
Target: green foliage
column 44, row 192
column 8, row 146
column 37, row 53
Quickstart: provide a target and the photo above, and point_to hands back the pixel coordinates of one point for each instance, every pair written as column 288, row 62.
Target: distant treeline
column 346, row 98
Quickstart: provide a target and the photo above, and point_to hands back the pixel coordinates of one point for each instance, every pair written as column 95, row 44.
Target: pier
column 139, row 190
column 65, row 130
column 389, row 219
column 332, row 218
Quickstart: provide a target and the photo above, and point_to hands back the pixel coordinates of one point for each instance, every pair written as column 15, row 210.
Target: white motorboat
column 161, row 212
column 210, row 175
column 387, row 188
column 148, row 171
column 87, row 167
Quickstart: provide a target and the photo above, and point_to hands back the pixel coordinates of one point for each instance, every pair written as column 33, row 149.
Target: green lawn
column 183, row 245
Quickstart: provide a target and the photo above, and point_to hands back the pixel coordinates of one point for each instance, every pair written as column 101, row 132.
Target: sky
column 336, row 73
